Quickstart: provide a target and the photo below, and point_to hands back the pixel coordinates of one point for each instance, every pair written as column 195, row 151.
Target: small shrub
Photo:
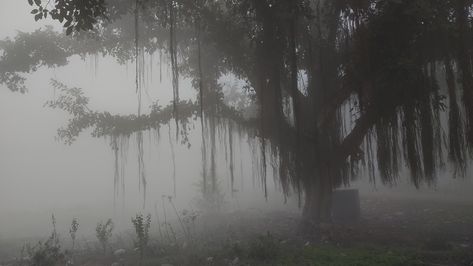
column 188, row 219
column 47, row 253
column 142, row 226
column 73, row 231
column 104, row 233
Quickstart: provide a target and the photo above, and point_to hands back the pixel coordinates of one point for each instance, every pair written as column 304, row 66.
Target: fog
column 259, row 171
column 41, row 176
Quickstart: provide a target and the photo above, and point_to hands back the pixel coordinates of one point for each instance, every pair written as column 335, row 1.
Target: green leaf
column 37, row 2
column 38, row 16
column 30, row 2
column 34, row 11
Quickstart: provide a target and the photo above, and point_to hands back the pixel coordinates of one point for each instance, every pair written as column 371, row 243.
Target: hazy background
column 40, row 176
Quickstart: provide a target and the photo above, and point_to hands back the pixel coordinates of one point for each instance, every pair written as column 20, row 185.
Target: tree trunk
column 318, row 200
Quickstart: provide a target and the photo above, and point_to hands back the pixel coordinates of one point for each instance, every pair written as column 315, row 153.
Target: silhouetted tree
column 372, row 98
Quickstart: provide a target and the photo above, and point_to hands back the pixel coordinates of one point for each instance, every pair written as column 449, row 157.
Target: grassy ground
column 391, row 232
column 266, row 250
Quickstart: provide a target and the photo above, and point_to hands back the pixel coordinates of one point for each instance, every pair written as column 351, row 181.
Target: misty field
column 391, row 231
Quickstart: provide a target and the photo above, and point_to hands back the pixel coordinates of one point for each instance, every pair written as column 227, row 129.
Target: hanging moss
column 141, row 165
column 119, row 145
column 174, row 65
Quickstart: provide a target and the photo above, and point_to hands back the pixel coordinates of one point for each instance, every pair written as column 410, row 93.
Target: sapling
column 104, row 233
column 73, row 231
column 142, row 226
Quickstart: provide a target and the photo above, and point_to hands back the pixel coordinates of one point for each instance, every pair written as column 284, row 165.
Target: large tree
column 339, row 85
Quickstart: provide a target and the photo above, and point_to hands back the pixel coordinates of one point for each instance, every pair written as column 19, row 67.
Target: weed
column 104, row 233
column 184, row 231
column 73, row 231
column 189, row 218
column 46, row 253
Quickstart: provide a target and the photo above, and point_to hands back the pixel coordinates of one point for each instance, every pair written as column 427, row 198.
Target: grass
column 275, row 250
column 215, row 239
column 319, row 255
column 330, row 255
column 268, row 250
